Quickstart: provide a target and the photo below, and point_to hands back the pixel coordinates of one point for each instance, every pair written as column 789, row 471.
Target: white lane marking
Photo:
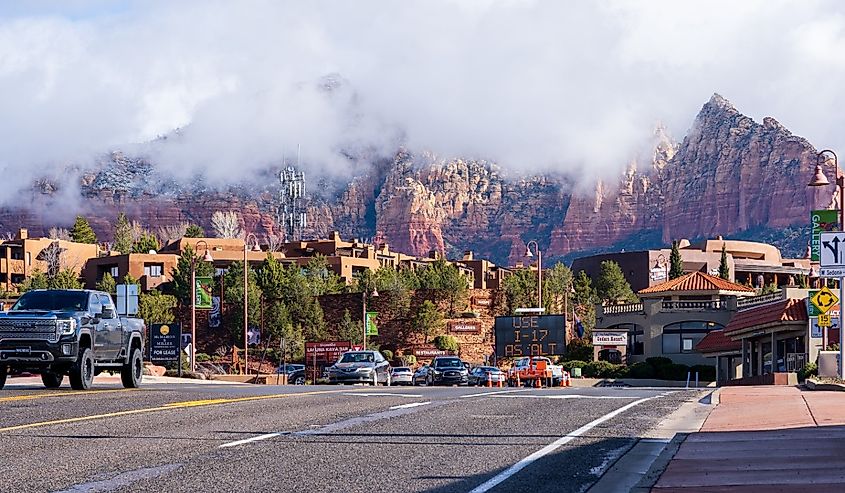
column 495, row 480
column 250, row 440
column 406, row 406
column 380, row 394
column 482, row 394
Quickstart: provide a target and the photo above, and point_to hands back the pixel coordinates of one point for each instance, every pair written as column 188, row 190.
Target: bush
column 569, row 365
column 578, row 350
column 809, row 370
column 603, row 369
column 673, row 371
column 202, row 358
column 388, row 354
column 642, row 370
column 706, row 373
column 409, row 360
column 446, row 343
column 658, row 362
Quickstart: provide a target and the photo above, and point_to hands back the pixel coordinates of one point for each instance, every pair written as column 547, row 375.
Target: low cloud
column 569, row 87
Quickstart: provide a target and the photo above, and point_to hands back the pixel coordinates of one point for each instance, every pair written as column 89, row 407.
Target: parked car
column 289, row 368
column 480, row 375
column 401, row 375
column 297, row 377
column 421, row 375
column 360, row 367
column 447, row 370
column 528, row 369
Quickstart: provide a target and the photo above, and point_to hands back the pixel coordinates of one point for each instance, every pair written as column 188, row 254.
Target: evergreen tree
column 233, row 281
column 156, row 308
column 585, row 299
column 194, row 231
column 81, row 231
column 520, row 290
column 107, row 284
column 365, row 281
column 322, row 279
column 557, row 281
column 181, row 274
column 349, row 329
column 428, row 320
column 122, row 234
column 146, row 243
column 65, row 279
column 37, row 280
column 611, row 285
column 724, row 271
column 271, row 277
column 676, row 265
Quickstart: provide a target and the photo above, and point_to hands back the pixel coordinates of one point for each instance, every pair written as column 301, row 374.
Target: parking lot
column 192, row 436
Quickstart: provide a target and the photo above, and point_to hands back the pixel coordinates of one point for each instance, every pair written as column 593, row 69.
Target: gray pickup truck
column 74, row 332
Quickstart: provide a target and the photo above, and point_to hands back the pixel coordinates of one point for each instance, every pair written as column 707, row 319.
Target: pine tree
column 122, row 234
column 107, row 284
column 81, row 231
column 66, row 279
column 146, row 243
column 724, row 271
column 156, row 308
column 611, row 284
column 676, row 265
column 181, row 274
column 428, row 320
column 194, row 231
column 38, row 280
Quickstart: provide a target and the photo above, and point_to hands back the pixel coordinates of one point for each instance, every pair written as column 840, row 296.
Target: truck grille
column 29, row 329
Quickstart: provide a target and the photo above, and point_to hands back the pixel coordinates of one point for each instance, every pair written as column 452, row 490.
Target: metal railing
column 759, row 300
column 795, row 361
column 620, row 309
column 693, row 306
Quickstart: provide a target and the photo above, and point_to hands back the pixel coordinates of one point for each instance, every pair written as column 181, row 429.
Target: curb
column 813, row 384
column 660, row 464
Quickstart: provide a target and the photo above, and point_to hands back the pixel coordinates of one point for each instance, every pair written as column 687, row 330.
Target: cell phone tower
column 292, row 215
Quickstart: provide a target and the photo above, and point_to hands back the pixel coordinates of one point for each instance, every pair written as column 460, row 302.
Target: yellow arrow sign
column 824, row 300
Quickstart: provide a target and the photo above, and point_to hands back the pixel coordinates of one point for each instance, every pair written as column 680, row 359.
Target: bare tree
column 173, row 232
column 275, row 243
column 59, row 234
column 52, row 256
column 226, row 224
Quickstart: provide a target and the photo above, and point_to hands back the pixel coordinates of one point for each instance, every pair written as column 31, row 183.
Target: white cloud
column 539, row 86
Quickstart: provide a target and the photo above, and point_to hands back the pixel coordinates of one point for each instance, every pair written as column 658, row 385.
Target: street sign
column 824, row 300
column 817, row 331
column 824, row 220
column 372, row 328
column 530, row 335
column 824, row 320
column 164, row 342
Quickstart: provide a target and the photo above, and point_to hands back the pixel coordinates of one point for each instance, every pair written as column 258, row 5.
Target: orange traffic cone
column 489, row 380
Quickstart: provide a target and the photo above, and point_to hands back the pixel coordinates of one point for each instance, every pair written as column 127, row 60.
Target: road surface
column 202, row 437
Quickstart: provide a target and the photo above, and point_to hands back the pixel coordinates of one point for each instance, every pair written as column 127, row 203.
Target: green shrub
column 202, row 358
column 673, row 371
column 642, row 370
column 578, row 350
column 446, row 343
column 809, row 370
column 604, row 369
column 388, row 354
column 706, row 373
column 409, row 360
column 569, row 365
column 658, row 361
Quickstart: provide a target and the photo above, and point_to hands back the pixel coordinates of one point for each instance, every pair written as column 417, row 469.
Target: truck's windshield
column 53, row 300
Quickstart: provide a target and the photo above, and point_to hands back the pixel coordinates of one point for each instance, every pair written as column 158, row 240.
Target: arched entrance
column 611, row 356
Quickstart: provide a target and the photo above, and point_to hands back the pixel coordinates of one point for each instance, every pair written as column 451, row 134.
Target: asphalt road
column 195, row 437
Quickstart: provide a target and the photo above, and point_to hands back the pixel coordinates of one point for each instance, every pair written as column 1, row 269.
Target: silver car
column 401, row 375
column 360, row 367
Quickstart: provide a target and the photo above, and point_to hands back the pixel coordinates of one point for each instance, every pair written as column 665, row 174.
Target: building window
column 153, row 270
column 635, row 338
column 114, row 271
column 28, row 258
column 682, row 337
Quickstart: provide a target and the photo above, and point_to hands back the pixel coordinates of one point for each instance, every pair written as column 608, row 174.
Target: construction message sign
column 530, row 335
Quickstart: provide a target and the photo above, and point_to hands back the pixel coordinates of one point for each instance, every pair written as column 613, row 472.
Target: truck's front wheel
column 82, row 372
column 132, row 372
column 3, row 372
column 52, row 380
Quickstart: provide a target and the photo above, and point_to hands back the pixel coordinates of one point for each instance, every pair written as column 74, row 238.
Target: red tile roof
column 717, row 342
column 697, row 281
column 791, row 310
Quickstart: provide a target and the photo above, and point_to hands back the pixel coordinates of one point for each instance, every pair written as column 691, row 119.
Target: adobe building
column 752, row 263
column 669, row 321
column 22, row 256
column 150, row 269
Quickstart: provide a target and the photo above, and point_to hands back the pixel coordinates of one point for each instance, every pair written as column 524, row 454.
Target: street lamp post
column 364, row 309
column 255, row 248
column 207, row 258
column 820, row 180
column 539, row 270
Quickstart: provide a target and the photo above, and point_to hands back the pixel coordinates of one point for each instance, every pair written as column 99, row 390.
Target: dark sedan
column 480, row 375
column 421, row 375
column 447, row 370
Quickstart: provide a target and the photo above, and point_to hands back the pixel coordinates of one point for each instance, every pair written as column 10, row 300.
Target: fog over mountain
column 573, row 88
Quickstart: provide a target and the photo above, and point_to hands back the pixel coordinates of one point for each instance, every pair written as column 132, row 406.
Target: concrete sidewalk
column 767, row 438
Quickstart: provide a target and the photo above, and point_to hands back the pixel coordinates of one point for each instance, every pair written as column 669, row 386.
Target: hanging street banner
column 372, row 329
column 826, row 220
column 204, row 290
column 164, row 342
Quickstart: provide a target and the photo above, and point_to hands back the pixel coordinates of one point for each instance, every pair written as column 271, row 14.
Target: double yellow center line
column 165, row 407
